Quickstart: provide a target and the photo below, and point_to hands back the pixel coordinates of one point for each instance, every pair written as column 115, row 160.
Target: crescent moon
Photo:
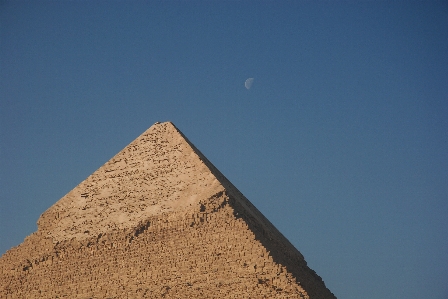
column 248, row 83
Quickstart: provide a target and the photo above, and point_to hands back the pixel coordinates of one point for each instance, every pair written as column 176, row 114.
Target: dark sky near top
column 342, row 140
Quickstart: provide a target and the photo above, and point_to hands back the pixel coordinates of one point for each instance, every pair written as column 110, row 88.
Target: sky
column 341, row 141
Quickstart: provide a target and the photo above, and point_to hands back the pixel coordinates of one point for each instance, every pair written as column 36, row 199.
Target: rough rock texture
column 157, row 221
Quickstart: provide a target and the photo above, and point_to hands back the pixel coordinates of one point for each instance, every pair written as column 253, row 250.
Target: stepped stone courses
column 157, row 221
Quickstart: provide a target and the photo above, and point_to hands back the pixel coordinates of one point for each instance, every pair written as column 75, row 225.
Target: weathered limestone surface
column 157, row 221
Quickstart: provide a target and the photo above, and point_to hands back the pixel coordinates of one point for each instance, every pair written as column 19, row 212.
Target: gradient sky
column 342, row 140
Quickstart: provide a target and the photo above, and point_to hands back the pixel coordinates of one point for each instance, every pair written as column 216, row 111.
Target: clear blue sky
column 342, row 140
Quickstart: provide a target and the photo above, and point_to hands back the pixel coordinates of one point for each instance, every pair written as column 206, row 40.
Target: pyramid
column 158, row 220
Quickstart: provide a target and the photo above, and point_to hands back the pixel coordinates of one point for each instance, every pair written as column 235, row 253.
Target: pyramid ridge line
column 238, row 195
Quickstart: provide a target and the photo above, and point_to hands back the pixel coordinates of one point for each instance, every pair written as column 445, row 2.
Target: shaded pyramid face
column 158, row 220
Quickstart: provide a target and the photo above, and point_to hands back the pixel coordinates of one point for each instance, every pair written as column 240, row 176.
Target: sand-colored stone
column 157, row 221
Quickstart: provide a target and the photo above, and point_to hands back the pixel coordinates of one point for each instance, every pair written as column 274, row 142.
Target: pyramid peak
column 144, row 179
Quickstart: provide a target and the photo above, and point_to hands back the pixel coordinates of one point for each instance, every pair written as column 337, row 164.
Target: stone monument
column 158, row 220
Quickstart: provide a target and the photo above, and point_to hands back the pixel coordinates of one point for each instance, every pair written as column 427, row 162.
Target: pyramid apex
column 159, row 172
column 161, row 123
